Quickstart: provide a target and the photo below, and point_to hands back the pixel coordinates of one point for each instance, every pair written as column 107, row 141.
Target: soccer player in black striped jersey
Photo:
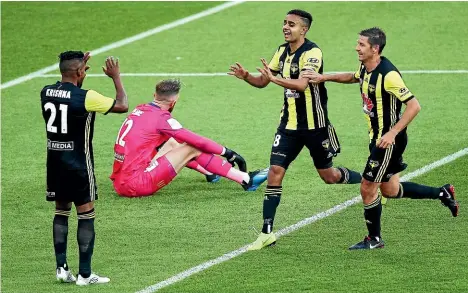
column 383, row 92
column 304, row 117
column 69, row 112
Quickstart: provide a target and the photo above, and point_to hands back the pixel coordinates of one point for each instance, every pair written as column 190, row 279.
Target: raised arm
column 112, row 70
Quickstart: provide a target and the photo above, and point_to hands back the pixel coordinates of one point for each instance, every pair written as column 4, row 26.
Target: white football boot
column 92, row 279
column 65, row 276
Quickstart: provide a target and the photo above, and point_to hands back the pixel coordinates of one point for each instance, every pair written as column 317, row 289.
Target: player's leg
column 323, row 145
column 57, row 191
column 84, row 197
column 374, row 173
column 172, row 144
column 60, row 236
column 395, row 189
column 250, row 181
column 286, row 146
column 180, row 156
column 372, row 215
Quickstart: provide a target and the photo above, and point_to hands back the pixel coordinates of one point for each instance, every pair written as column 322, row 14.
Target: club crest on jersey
column 294, row 68
column 373, row 164
column 367, row 105
column 326, row 143
column 371, row 88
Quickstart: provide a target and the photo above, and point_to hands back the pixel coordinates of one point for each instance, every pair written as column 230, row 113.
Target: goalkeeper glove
column 234, row 158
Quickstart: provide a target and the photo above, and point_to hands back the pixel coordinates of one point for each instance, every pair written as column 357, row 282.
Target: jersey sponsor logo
column 58, row 93
column 60, row 145
column 174, row 123
column 403, row 91
column 313, row 60
column 281, row 64
column 137, row 112
column 389, row 175
column 50, row 194
column 291, row 94
column 278, row 154
column 310, row 66
column 367, row 105
column 119, row 157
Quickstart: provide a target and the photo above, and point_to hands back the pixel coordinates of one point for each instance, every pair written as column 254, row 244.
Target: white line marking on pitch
column 203, row 74
column 126, row 41
column 298, row 225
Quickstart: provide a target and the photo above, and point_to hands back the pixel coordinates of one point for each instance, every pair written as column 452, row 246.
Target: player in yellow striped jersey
column 304, row 117
column 383, row 93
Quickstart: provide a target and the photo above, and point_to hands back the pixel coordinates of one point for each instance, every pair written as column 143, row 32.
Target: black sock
column 270, row 203
column 372, row 214
column 60, row 235
column 349, row 176
column 85, row 236
column 418, row 191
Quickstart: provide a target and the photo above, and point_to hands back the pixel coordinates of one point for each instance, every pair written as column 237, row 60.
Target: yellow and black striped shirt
column 301, row 110
column 383, row 92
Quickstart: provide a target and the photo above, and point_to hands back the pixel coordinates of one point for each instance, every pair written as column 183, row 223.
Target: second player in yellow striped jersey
column 383, row 92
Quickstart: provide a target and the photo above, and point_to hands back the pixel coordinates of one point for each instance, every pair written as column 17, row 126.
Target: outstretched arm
column 201, row 143
column 292, row 84
column 240, row 72
column 315, row 77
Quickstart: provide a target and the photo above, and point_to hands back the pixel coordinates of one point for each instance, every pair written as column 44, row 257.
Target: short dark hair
column 304, row 15
column 168, row 87
column 68, row 60
column 376, row 36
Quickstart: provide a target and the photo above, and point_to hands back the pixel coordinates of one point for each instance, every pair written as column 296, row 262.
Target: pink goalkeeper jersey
column 144, row 130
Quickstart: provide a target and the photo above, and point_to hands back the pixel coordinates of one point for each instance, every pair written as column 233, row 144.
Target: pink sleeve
column 201, row 143
column 175, row 130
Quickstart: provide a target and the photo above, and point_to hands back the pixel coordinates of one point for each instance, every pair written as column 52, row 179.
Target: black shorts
column 322, row 143
column 382, row 164
column 77, row 186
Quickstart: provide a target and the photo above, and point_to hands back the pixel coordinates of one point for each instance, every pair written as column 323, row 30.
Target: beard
column 80, row 83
